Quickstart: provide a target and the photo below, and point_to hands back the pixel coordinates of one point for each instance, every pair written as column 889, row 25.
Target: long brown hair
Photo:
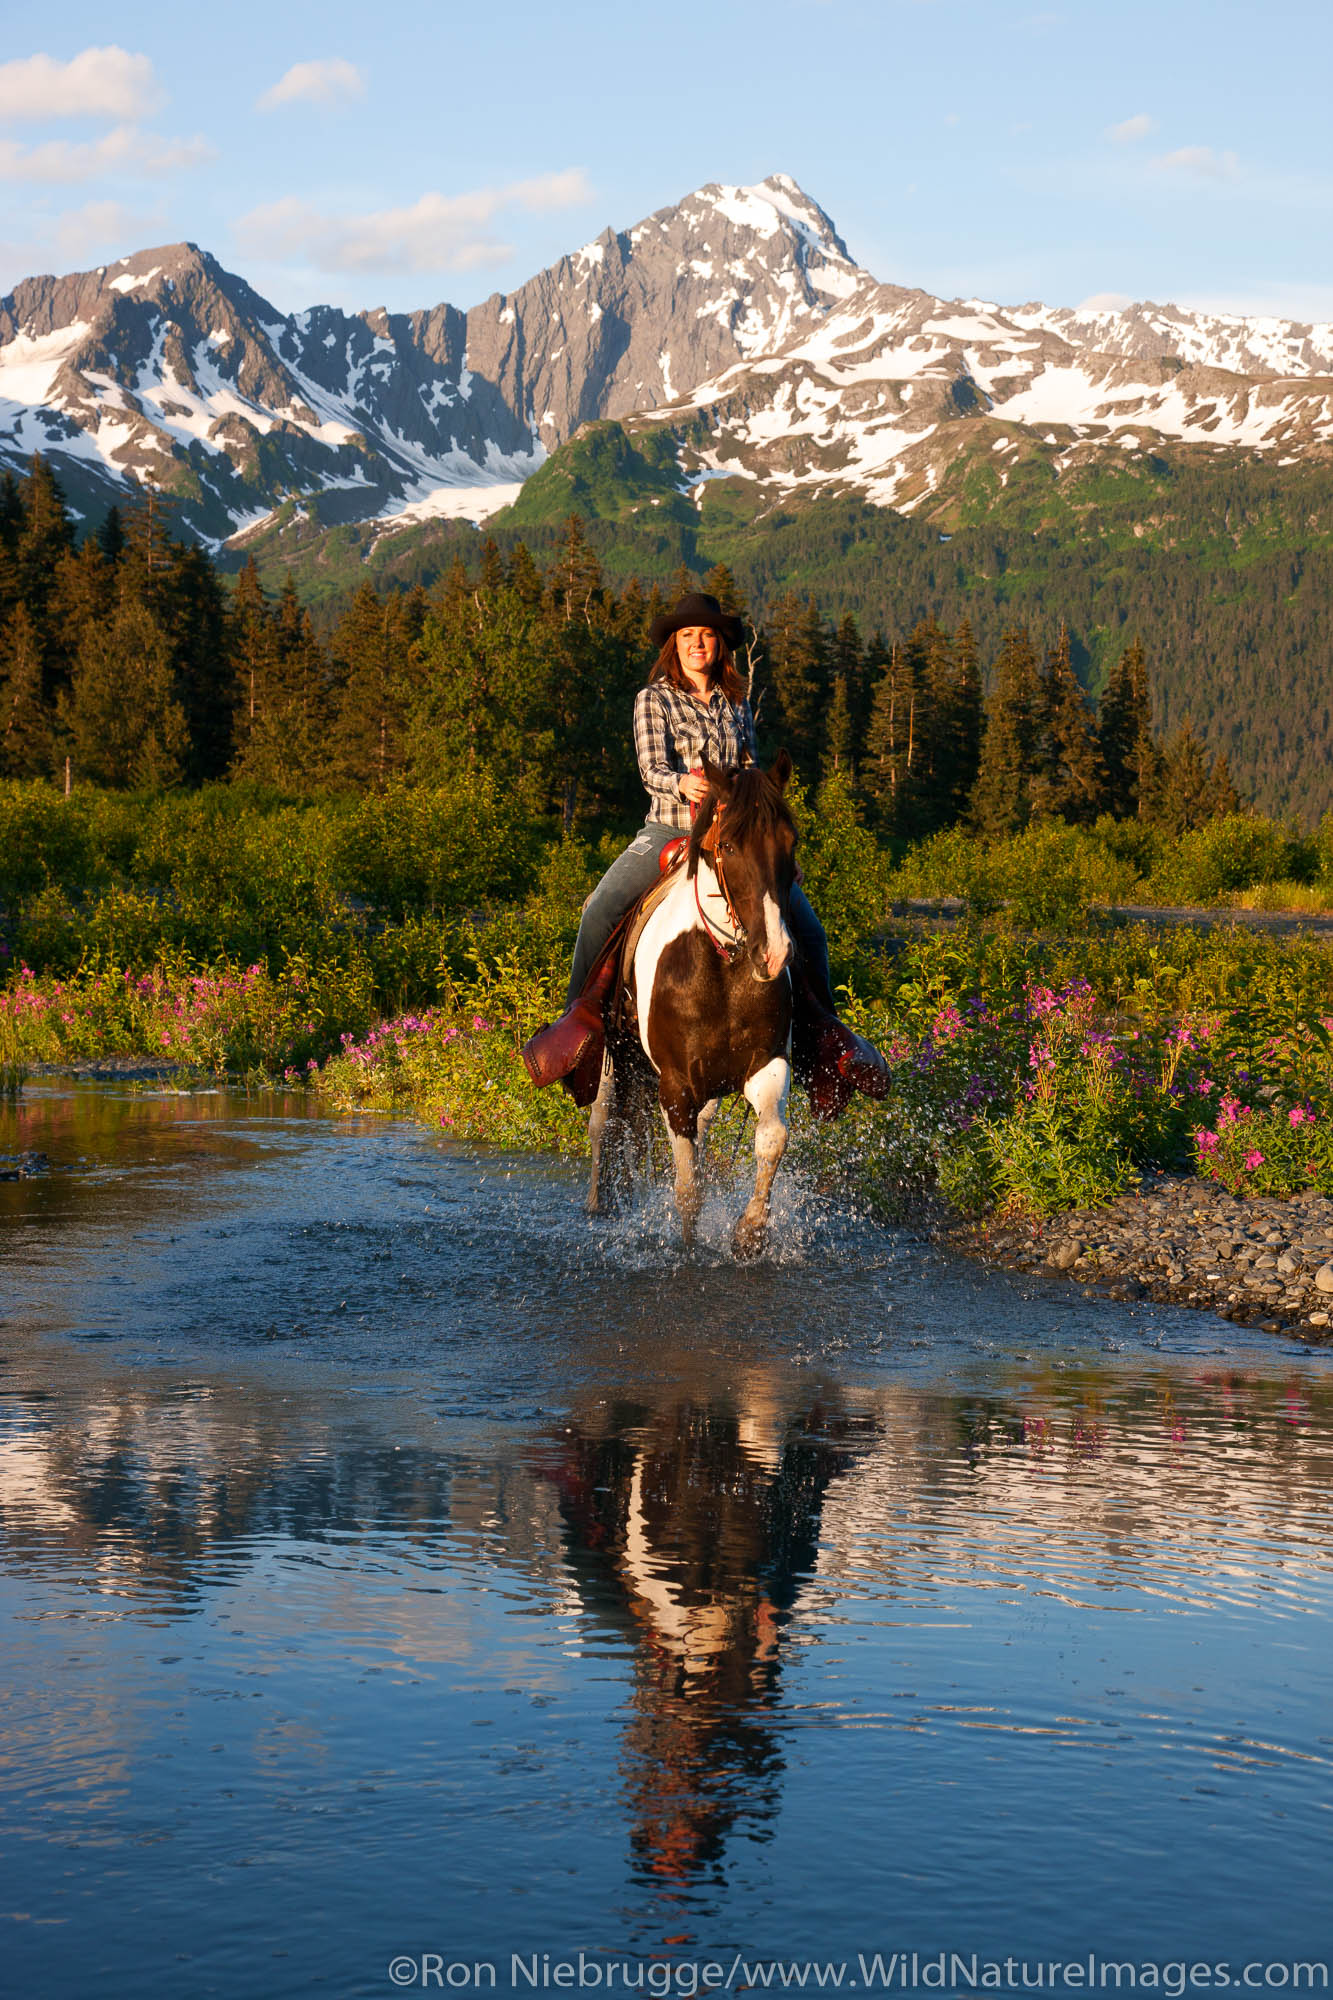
column 722, row 673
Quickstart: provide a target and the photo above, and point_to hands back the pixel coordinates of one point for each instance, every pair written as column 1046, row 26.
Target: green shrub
column 1045, row 878
column 44, row 838
column 443, row 847
column 1213, row 861
column 846, row 874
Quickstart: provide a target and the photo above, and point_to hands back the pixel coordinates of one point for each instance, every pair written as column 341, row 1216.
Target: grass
column 1040, row 1059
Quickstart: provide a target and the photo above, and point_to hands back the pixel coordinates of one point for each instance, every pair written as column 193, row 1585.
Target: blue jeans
column 636, row 870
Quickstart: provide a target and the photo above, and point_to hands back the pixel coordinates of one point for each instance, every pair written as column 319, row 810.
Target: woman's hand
column 694, row 787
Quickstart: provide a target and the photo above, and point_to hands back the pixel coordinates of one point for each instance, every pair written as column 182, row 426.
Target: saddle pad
column 638, row 919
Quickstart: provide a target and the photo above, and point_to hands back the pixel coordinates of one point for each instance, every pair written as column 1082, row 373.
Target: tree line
column 126, row 658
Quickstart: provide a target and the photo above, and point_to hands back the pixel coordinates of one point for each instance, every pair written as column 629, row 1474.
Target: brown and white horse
column 707, row 1009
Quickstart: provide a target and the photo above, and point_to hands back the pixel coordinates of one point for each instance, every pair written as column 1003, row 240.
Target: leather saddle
column 570, row 1050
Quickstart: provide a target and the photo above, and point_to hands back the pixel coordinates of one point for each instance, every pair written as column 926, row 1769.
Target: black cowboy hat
column 698, row 608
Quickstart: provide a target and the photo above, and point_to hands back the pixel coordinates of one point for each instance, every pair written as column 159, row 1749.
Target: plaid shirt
column 674, row 732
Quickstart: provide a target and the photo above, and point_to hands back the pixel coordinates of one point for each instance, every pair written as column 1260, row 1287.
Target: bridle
column 727, row 948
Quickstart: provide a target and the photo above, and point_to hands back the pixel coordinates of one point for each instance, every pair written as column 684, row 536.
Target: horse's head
column 747, row 835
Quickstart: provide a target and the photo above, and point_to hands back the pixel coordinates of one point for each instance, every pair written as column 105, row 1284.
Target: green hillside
column 1221, row 562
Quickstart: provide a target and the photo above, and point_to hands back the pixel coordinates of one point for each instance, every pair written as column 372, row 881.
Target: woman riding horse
column 694, row 707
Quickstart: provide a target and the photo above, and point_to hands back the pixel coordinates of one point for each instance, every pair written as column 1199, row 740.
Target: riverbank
column 1036, row 1080
column 1181, row 1240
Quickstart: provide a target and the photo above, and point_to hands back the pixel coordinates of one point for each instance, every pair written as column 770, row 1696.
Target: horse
column 706, row 1005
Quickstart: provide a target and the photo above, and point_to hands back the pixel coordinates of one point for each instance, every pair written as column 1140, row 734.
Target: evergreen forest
column 129, row 660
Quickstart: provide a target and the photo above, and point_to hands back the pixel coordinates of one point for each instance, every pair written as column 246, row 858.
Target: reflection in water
column 471, row 1580
column 691, row 1527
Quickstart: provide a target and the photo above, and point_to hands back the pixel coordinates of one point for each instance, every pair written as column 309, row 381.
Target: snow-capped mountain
column 736, row 318
column 886, row 394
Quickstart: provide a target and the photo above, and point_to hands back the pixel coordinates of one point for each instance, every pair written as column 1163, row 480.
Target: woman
column 694, row 706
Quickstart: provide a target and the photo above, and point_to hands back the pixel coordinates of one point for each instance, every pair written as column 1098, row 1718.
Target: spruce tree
column 574, row 581
column 843, row 736
column 962, row 724
column 190, row 601
column 11, row 526
column 252, row 650
column 887, row 767
column 1068, row 782
column 27, row 741
column 719, row 582
column 45, row 534
column 1125, row 734
column 798, row 656
column 369, row 647
column 492, row 565
column 1190, row 788
column 683, row 583
column 1002, row 798
column 120, row 719
column 287, row 742
column 111, row 535
column 629, row 616
column 1221, row 796
column 525, row 579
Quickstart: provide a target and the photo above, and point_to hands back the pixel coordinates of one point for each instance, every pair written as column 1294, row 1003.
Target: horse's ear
column 781, row 770
column 719, row 778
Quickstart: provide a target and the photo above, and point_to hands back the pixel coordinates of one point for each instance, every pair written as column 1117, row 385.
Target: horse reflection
column 692, row 1528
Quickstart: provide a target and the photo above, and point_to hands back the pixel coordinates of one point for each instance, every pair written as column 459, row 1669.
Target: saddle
column 570, row 1050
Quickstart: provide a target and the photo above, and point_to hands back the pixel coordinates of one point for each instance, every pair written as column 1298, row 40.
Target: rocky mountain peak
column 735, row 318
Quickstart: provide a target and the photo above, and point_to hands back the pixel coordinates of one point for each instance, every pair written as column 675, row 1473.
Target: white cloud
column 328, row 80
column 97, row 83
column 1104, row 302
column 550, row 191
column 437, row 232
column 125, row 150
column 1200, row 162
column 1137, row 127
column 104, row 226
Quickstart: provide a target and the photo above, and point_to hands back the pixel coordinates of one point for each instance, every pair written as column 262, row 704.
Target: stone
column 1323, row 1278
column 1063, row 1256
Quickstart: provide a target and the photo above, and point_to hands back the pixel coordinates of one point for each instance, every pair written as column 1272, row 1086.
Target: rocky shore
column 1189, row 1242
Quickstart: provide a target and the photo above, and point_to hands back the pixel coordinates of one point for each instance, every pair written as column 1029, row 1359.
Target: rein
column 727, row 948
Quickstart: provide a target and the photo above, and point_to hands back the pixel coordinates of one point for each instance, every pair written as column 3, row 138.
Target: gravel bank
column 1260, row 1262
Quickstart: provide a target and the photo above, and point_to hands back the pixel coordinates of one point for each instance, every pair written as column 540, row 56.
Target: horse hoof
column 747, row 1238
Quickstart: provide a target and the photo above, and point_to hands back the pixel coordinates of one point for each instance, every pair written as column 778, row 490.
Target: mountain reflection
column 690, row 1528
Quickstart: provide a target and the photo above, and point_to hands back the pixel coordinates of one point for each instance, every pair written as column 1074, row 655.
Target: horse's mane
column 754, row 806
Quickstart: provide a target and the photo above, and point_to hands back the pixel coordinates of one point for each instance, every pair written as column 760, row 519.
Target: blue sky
column 412, row 153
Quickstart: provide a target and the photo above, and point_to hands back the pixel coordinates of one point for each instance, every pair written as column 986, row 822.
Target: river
column 399, row 1571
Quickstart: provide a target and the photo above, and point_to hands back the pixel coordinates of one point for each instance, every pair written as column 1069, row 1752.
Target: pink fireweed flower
column 1253, row 1160
column 1301, row 1115
column 477, row 1022
column 1230, row 1111
column 1207, row 1142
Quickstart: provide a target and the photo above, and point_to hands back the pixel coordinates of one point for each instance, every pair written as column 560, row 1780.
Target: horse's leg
column 598, row 1118
column 682, row 1122
column 706, row 1117
column 766, row 1093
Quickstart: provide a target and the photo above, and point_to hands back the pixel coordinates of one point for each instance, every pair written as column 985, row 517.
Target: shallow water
column 393, row 1564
